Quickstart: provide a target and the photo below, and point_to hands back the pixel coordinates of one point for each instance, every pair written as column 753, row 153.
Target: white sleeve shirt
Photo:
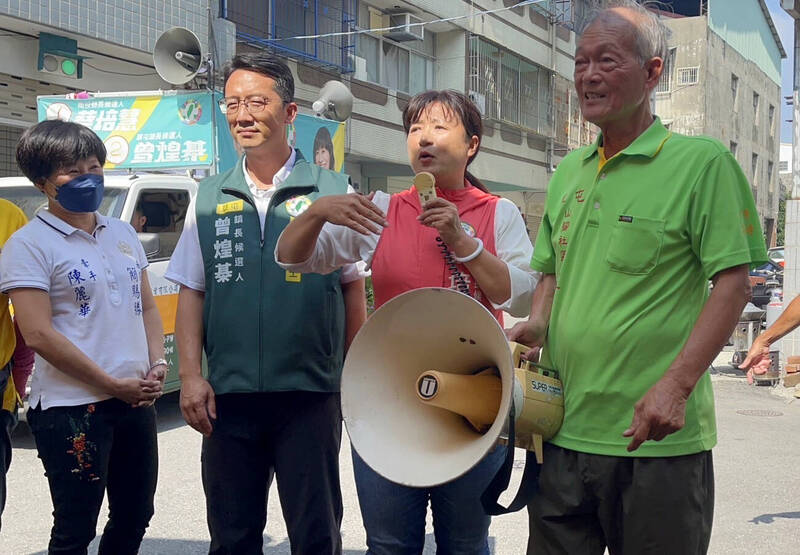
column 186, row 264
column 93, row 282
column 338, row 245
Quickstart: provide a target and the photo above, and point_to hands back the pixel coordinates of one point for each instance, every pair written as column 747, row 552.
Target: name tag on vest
column 233, row 206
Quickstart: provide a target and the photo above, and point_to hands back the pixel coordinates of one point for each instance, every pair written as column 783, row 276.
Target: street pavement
column 757, row 466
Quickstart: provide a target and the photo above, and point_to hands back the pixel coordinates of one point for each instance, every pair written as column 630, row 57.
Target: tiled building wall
column 9, row 136
column 131, row 23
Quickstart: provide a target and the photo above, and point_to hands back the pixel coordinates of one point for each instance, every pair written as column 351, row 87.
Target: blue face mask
column 82, row 194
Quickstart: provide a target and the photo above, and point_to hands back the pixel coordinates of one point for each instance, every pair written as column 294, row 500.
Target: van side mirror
column 151, row 244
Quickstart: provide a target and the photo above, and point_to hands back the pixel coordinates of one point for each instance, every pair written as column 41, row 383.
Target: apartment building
column 516, row 64
column 61, row 46
column 514, row 61
column 722, row 78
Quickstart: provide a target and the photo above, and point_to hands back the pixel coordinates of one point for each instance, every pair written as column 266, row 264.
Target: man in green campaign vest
column 634, row 227
column 274, row 340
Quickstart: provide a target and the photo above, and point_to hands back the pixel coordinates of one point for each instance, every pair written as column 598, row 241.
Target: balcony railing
column 275, row 24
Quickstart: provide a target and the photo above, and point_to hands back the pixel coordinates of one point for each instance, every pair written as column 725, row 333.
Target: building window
column 771, row 116
column 259, row 23
column 368, row 60
column 420, row 73
column 406, row 67
column 395, row 66
column 570, row 130
column 783, row 166
column 509, row 88
column 665, row 83
column 770, row 167
column 734, row 146
column 734, row 88
column 755, row 169
column 251, row 17
column 688, row 76
column 756, row 98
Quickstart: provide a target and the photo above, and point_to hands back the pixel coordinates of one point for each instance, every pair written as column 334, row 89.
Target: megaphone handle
column 527, row 487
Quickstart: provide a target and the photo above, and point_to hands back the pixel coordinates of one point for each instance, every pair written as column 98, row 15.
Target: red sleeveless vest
column 408, row 256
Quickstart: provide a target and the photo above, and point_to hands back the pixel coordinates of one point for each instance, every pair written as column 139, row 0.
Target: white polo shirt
column 186, row 264
column 94, row 286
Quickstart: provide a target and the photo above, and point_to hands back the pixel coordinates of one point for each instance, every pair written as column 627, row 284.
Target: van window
column 161, row 211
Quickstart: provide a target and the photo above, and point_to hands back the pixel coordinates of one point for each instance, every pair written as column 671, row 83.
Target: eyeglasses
column 255, row 104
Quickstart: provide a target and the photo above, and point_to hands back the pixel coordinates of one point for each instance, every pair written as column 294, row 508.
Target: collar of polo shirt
column 647, row 144
column 63, row 227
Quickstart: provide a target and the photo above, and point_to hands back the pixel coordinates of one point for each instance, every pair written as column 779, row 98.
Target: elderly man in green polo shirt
column 634, row 227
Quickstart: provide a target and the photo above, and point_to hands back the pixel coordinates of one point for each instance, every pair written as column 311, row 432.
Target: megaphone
column 428, row 384
column 178, row 55
column 335, row 101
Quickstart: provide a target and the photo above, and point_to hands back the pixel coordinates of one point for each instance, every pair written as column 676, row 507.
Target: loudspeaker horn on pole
column 178, row 55
column 427, row 388
column 335, row 101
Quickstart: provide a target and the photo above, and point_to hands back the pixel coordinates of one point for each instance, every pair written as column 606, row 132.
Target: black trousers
column 88, row 450
column 294, row 436
column 632, row 505
column 8, row 421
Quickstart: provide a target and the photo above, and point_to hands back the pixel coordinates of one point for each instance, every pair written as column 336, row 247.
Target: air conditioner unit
column 479, row 100
column 409, row 27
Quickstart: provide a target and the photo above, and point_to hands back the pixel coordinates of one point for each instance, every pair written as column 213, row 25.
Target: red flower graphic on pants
column 81, row 448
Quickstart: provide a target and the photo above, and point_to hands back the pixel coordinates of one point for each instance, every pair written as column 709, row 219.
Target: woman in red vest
column 465, row 239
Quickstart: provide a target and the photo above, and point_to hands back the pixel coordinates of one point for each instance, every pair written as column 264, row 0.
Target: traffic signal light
column 59, row 55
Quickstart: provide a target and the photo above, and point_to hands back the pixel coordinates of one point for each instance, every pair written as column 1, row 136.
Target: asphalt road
column 756, row 464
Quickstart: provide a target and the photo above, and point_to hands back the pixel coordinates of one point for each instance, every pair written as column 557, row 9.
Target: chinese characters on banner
column 144, row 132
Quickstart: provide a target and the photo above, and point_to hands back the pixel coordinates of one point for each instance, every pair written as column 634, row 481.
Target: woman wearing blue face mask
column 83, row 302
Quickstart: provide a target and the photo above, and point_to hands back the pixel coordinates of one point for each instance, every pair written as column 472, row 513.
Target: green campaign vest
column 266, row 329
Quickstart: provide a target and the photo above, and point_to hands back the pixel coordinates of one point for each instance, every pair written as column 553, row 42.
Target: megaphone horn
column 427, row 389
column 188, row 60
column 335, row 101
column 476, row 397
column 177, row 55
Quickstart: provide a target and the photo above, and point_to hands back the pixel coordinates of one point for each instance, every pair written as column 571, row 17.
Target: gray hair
column 650, row 34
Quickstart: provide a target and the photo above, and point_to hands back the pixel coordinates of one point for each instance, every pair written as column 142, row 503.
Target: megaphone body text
column 538, row 394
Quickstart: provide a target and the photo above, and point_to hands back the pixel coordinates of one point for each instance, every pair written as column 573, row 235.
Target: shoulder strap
column 528, row 486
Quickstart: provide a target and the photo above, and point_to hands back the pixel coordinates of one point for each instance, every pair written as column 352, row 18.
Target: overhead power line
column 420, row 24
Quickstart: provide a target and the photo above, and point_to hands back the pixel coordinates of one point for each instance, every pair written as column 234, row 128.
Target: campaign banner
column 321, row 141
column 152, row 131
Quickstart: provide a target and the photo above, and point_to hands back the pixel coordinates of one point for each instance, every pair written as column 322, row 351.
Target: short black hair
column 50, row 145
column 265, row 64
column 454, row 103
column 323, row 140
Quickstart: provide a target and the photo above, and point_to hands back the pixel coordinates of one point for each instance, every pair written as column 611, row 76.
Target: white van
column 164, row 200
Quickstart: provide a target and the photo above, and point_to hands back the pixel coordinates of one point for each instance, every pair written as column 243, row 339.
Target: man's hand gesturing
column 357, row 212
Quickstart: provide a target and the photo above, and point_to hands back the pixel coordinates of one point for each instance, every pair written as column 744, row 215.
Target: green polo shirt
column 633, row 246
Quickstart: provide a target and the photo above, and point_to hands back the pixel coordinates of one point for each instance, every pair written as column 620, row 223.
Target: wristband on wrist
column 159, row 362
column 472, row 256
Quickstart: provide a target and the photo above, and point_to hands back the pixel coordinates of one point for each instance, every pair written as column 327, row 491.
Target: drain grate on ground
column 759, row 412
